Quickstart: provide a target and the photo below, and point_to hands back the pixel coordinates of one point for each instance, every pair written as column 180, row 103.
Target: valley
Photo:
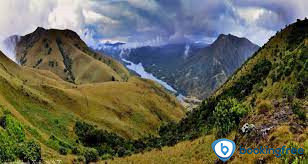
column 263, row 93
column 194, row 70
column 47, row 101
column 153, row 82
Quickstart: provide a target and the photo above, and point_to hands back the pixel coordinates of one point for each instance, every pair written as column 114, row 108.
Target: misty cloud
column 154, row 22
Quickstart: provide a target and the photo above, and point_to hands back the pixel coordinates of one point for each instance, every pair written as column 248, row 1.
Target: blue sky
column 152, row 22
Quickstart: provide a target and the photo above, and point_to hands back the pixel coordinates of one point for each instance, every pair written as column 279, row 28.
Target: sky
column 152, row 22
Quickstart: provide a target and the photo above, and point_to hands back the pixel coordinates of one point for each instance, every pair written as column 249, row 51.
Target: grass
column 77, row 64
column 280, row 72
column 48, row 106
column 197, row 151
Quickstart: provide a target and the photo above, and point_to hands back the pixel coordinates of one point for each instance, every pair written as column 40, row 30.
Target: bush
column 13, row 128
column 63, row 151
column 289, row 91
column 80, row 159
column 298, row 110
column 7, row 152
column 13, row 145
column 91, row 155
column 287, row 70
column 77, row 150
column 59, row 145
column 106, row 156
column 30, row 151
column 227, row 115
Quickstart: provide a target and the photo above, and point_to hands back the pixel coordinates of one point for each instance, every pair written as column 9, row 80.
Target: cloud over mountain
column 150, row 21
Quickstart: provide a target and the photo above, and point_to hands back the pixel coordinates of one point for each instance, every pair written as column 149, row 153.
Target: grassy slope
column 197, row 151
column 47, row 105
column 44, row 49
column 268, row 99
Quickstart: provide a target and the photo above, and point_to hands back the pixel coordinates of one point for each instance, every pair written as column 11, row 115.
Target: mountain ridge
column 264, row 103
column 62, row 51
column 44, row 107
column 225, row 54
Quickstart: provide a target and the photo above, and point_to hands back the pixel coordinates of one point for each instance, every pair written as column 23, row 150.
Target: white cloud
column 250, row 14
column 149, row 21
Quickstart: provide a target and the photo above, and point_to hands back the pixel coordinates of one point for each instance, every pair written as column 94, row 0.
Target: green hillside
column 269, row 93
column 44, row 117
column 39, row 110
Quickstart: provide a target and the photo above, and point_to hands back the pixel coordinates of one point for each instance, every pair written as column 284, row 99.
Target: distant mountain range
column 192, row 69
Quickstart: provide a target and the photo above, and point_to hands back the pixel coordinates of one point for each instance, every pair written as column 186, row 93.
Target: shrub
column 7, row 152
column 59, row 145
column 298, row 110
column 106, row 156
column 30, row 151
column 91, row 155
column 63, row 151
column 80, row 159
column 289, row 91
column 227, row 115
column 77, row 150
column 13, row 145
column 300, row 90
column 287, row 70
column 13, row 128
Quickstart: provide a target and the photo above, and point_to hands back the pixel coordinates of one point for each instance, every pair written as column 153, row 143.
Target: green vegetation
column 38, row 63
column 57, row 144
column 269, row 90
column 298, row 109
column 66, row 60
column 103, row 141
column 244, row 85
column 13, row 143
column 227, row 116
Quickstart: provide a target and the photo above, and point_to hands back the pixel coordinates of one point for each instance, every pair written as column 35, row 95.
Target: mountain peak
column 230, row 39
column 63, row 53
column 40, row 29
column 229, row 36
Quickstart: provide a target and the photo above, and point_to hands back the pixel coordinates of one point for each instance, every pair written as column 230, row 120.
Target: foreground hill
column 194, row 69
column 39, row 106
column 65, row 54
column 264, row 103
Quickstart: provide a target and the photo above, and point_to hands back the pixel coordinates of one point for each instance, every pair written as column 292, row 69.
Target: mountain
column 193, row 69
column 209, row 68
column 40, row 103
column 263, row 103
column 65, row 54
